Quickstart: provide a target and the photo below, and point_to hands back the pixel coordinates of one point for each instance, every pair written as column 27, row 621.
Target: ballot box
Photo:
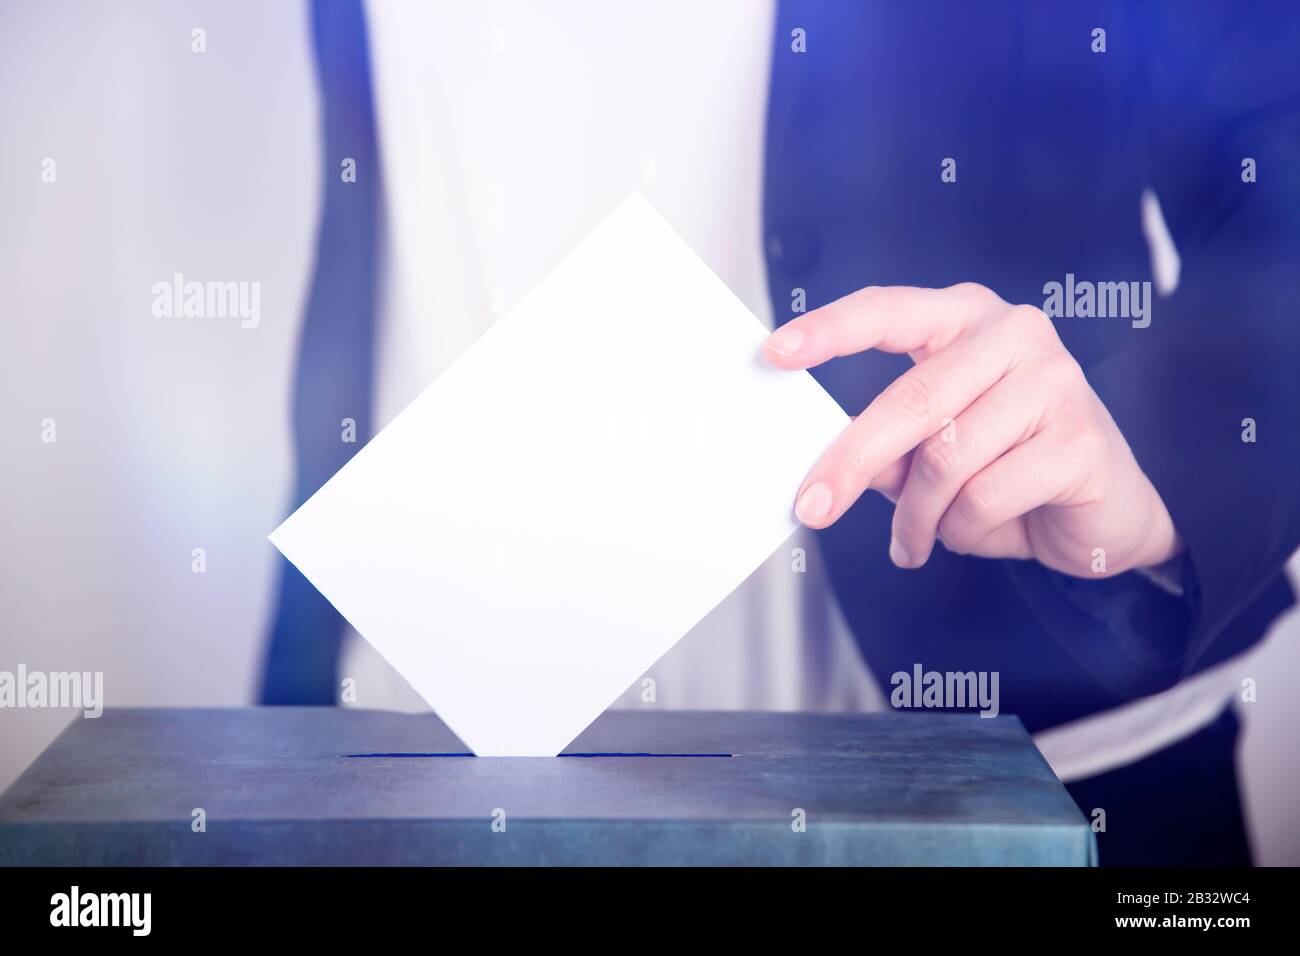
column 339, row 786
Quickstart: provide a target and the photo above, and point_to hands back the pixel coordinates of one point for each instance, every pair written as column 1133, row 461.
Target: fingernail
column 898, row 554
column 814, row 504
column 784, row 341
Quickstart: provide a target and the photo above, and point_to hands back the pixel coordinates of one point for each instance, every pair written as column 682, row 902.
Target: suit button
column 792, row 246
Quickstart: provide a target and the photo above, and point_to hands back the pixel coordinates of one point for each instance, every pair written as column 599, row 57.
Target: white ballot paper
column 572, row 495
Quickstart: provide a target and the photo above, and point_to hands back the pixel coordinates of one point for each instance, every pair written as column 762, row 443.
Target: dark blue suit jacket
column 1054, row 144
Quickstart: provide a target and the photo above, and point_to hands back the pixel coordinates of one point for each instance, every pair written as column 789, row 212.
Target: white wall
column 172, row 434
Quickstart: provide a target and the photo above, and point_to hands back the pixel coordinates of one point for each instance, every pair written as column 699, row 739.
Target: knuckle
column 974, row 293
column 1072, row 412
column 852, row 457
column 911, row 397
column 1087, row 444
column 880, row 295
column 830, row 321
column 978, row 500
column 906, row 527
column 856, row 463
column 1030, row 323
column 936, row 461
column 1062, row 372
column 870, row 299
column 953, row 538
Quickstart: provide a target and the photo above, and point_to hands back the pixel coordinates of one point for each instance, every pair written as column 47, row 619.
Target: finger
column 1011, row 540
column 1003, row 417
column 890, row 318
column 890, row 481
column 1029, row 476
column 912, row 408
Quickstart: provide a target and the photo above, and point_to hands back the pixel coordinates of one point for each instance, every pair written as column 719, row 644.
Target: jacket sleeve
column 1207, row 395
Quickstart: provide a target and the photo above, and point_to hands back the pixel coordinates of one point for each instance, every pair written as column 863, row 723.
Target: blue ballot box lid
column 337, row 786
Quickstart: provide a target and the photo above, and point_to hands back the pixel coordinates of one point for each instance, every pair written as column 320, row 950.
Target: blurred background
column 174, row 434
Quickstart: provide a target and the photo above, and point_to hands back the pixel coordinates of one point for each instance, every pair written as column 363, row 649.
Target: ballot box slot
column 587, row 756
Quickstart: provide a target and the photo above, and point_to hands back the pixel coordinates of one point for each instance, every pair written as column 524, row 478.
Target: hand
column 993, row 441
